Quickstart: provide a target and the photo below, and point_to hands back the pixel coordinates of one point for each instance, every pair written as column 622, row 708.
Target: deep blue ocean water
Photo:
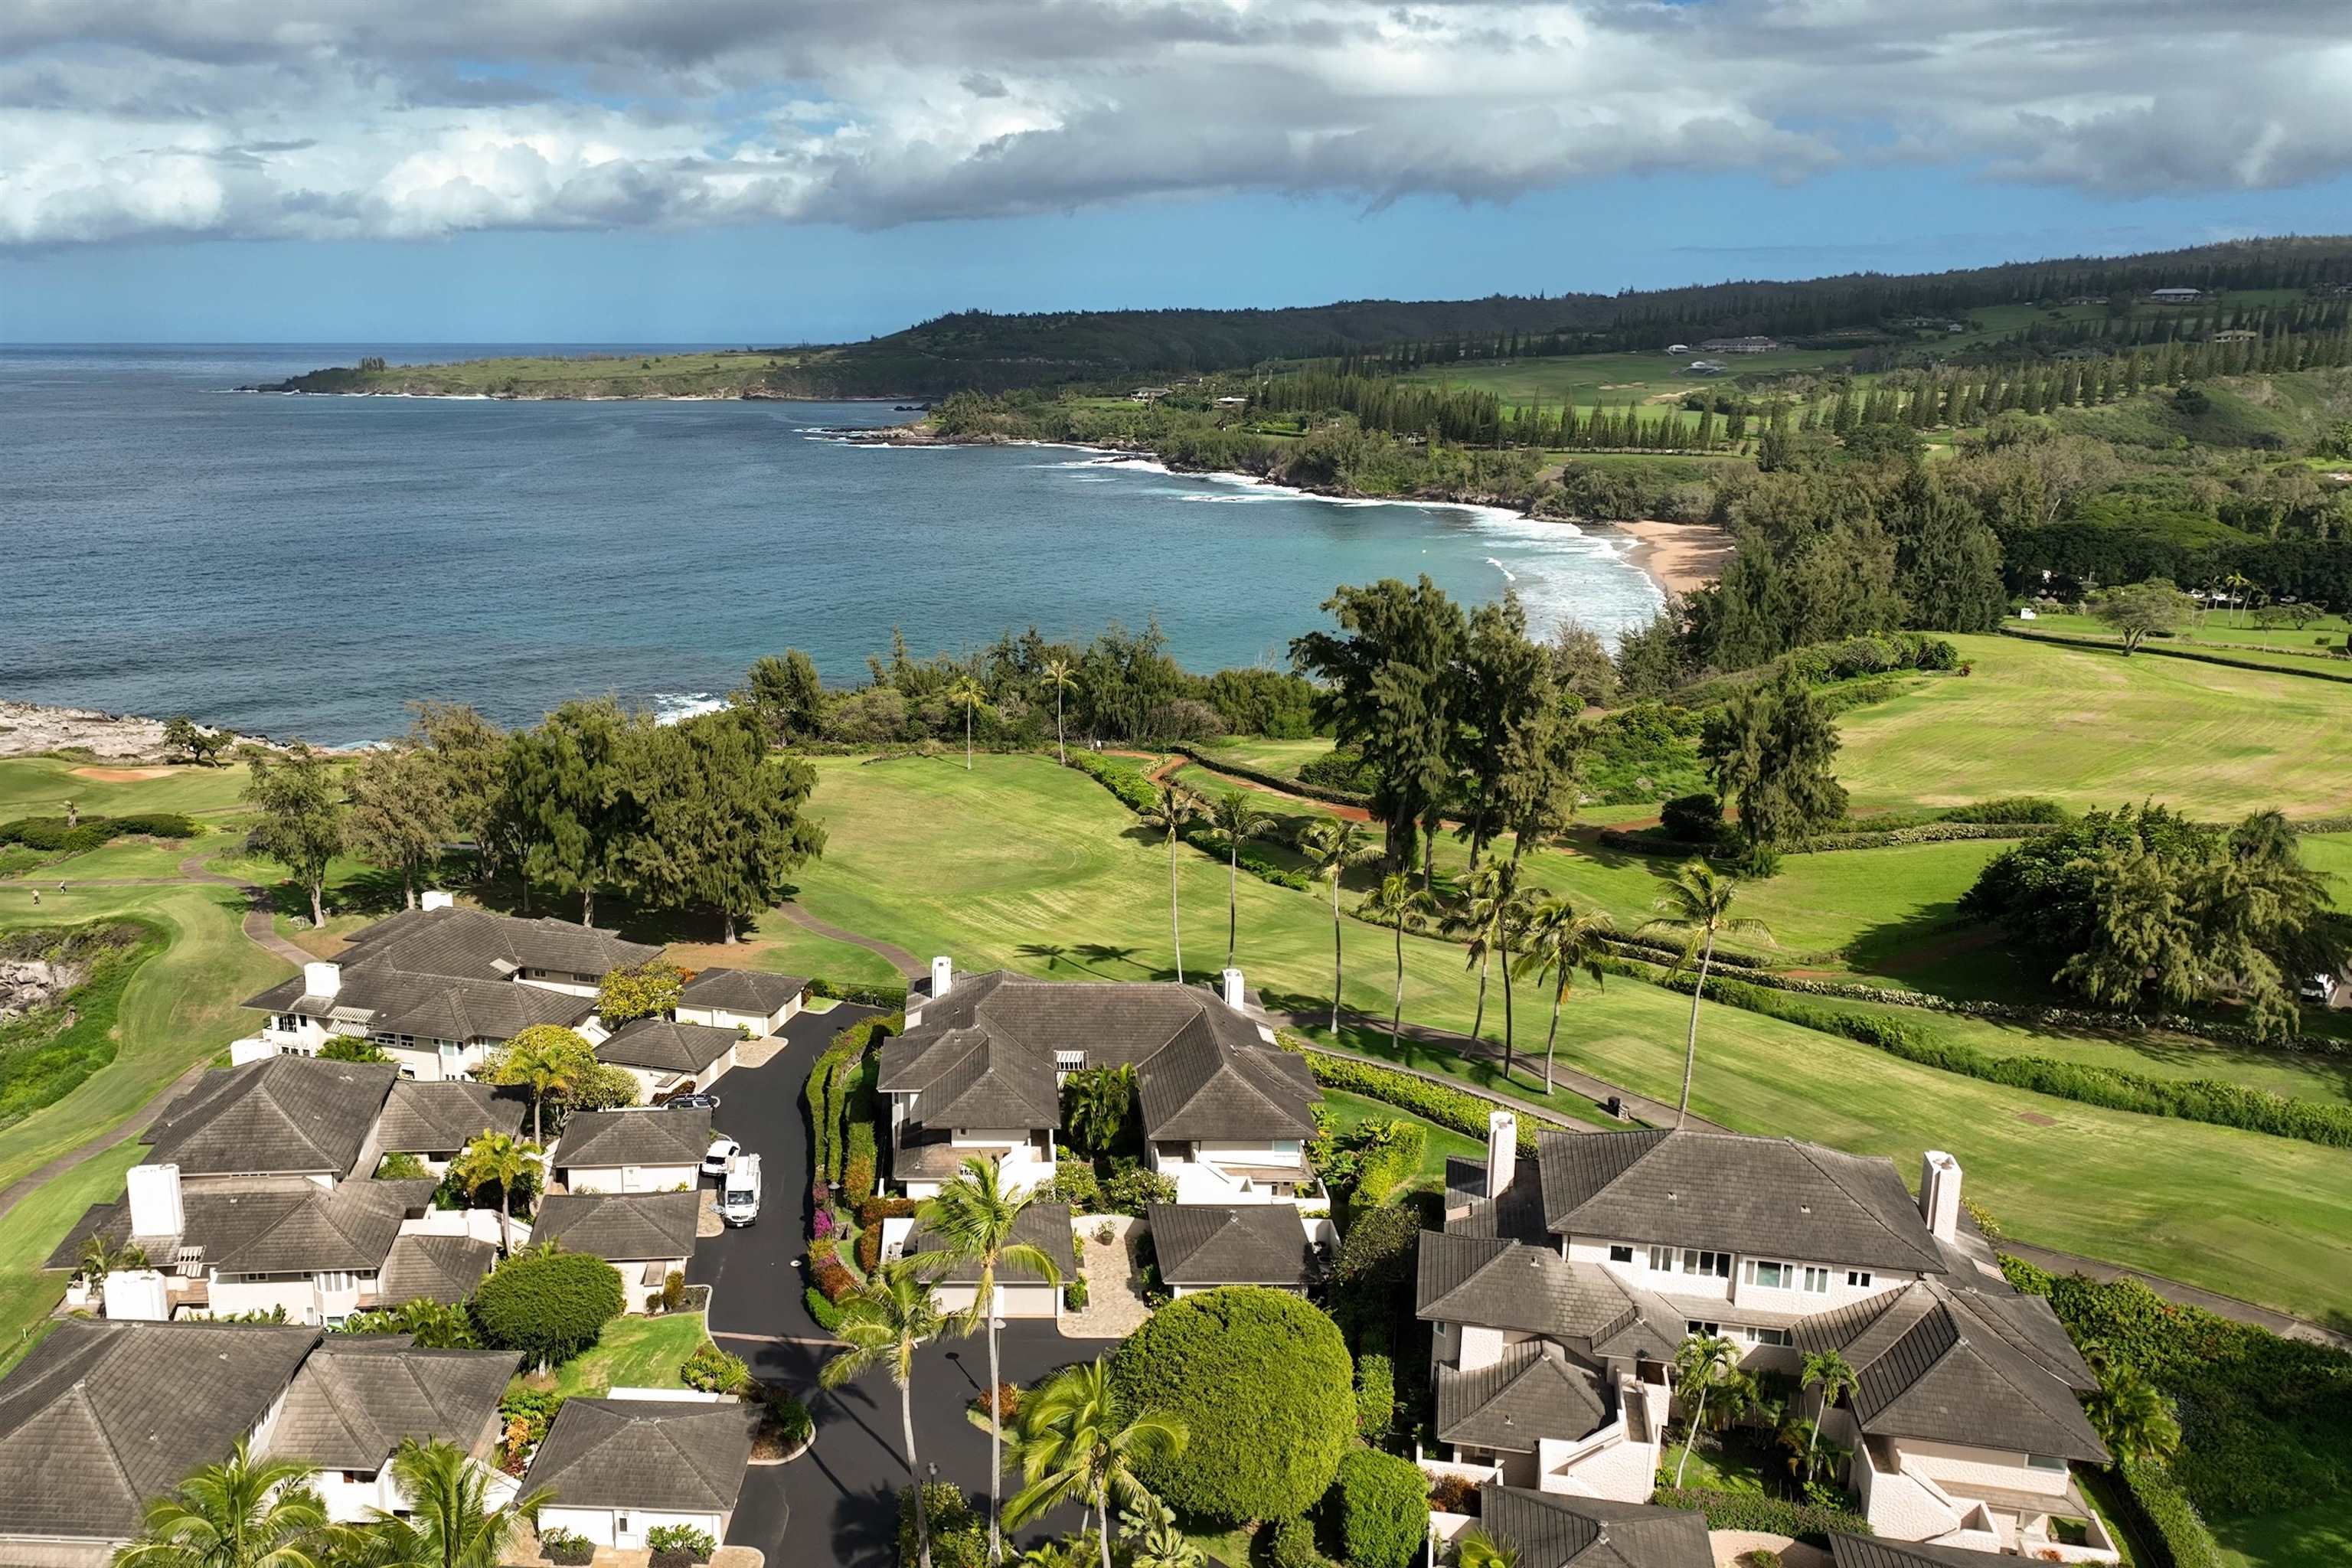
column 304, row 566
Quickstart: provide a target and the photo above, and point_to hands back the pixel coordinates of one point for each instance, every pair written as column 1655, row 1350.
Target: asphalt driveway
column 838, row 1502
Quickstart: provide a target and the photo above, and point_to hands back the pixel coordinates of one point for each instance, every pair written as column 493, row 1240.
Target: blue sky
column 624, row 170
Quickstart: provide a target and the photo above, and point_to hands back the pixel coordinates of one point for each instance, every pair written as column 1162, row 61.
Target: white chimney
column 1502, row 1150
column 322, row 978
column 155, row 1208
column 136, row 1295
column 1939, row 1194
column 1231, row 982
column 943, row 976
column 439, row 898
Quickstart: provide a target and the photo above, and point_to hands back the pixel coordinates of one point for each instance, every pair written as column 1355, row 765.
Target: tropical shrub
column 1431, row 1101
column 566, row 1548
column 1808, row 1522
column 549, row 1305
column 1291, row 1544
column 713, row 1371
column 1262, row 1382
column 958, row 1531
column 402, row 1168
column 833, row 1279
column 1341, row 773
column 827, row 1315
column 1074, row 1184
column 673, row 1291
column 2159, row 1511
column 1384, row 1510
column 1135, row 1189
column 857, row 1168
column 1375, row 1395
column 359, row 1048
column 1692, row 818
column 1074, row 1293
column 638, row 991
column 678, row 1545
column 1378, row 1252
column 524, row 1416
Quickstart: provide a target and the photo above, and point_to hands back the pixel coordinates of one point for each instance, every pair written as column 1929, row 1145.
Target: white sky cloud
column 338, row 119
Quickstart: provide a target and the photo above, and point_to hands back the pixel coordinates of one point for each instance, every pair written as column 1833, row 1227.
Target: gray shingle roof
column 1499, row 1284
column 443, row 1117
column 620, row 1227
column 645, row 1453
column 101, row 1416
column 664, row 1046
column 1203, row 1070
column 741, row 989
column 1971, row 1367
column 358, row 1398
column 278, row 1115
column 392, row 1001
column 1553, row 1531
column 270, row 1230
column 443, row 1269
column 1248, row 1244
column 1762, row 1196
column 646, row 1137
column 1045, row 1226
column 1526, row 1396
column 475, row 945
column 1517, row 1216
column 1869, row 1551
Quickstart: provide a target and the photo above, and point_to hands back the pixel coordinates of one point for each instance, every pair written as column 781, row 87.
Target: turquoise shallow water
column 304, row 566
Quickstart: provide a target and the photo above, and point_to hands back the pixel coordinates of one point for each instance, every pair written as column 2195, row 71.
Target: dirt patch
column 2036, row 1119
column 122, row 775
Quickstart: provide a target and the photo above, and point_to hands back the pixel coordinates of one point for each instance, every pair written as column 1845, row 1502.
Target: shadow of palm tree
column 1052, row 953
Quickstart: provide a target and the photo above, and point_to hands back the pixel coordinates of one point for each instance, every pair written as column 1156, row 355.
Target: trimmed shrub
column 1375, row 1396
column 566, row 1548
column 2157, row 1511
column 1384, row 1510
column 827, row 1315
column 549, row 1305
column 1074, row 1293
column 1692, row 818
column 1262, row 1382
column 858, row 1169
column 713, row 1371
column 673, row 1291
column 1377, row 1254
column 959, row 1531
column 890, row 998
column 682, row 1541
column 1292, row 1545
column 1132, row 1191
column 869, row 1249
column 1074, row 1184
column 1123, row 780
column 1344, row 777
column 832, row 1279
column 874, row 1211
column 1808, row 1522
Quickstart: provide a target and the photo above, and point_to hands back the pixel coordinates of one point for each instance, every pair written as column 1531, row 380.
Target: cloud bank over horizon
column 129, row 121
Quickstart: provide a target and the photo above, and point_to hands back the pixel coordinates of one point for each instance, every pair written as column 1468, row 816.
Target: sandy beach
column 1680, row 555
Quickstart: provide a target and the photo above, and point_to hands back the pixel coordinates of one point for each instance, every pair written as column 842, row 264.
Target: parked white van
column 739, row 1190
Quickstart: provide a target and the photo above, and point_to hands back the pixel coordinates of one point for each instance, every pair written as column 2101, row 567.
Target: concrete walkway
column 910, row 967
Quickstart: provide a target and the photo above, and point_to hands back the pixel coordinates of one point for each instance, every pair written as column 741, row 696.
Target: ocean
column 291, row 565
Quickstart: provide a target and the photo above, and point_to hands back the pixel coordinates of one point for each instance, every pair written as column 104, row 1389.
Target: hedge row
column 1770, row 1515
column 1135, row 793
column 2160, row 1517
column 2198, row 655
column 835, row 1087
column 51, row 834
column 893, row 997
column 2212, row 1100
column 1649, row 841
column 1431, row 1102
column 1288, row 785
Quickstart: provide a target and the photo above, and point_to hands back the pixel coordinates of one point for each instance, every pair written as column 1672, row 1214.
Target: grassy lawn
column 39, row 786
column 634, row 1353
column 30, row 1231
column 1027, row 865
column 781, row 947
column 2305, row 1537
column 2094, row 729
column 1284, row 758
column 1349, row 1110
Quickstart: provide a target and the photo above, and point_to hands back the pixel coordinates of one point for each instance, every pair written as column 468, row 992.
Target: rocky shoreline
column 36, row 729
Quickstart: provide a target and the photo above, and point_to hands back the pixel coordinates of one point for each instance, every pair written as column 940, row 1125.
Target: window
column 1777, row 1276
column 1620, row 1254
column 1858, row 1278
column 1718, row 1264
column 2044, row 1462
column 1817, row 1280
column 621, row 1523
column 1767, row 1336
column 336, row 1279
column 1696, row 1327
column 1661, row 1260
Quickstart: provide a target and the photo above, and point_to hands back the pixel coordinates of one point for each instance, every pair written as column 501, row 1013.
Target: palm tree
column 966, row 694
column 451, row 1521
column 1074, row 1444
column 238, row 1514
column 1559, row 943
column 1828, row 1372
column 1173, row 808
column 974, row 1218
column 1062, row 675
column 1701, row 1362
column 1473, row 1548
column 883, row 1323
column 499, row 1159
column 1696, row 909
column 1491, row 917
column 101, row 1257
column 1235, row 818
column 545, row 1061
column 1331, row 845
column 1397, row 900
column 2133, row 1418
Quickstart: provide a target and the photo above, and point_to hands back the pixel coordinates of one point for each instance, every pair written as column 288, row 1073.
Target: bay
column 305, row 565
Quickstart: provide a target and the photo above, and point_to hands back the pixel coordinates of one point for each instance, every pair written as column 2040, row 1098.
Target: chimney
column 943, row 976
column 1502, row 1151
column 439, row 898
column 322, row 978
column 156, row 1201
column 1229, row 980
column 1939, row 1194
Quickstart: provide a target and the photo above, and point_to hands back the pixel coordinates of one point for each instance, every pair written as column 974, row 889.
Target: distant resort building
column 1747, row 346
column 2176, row 295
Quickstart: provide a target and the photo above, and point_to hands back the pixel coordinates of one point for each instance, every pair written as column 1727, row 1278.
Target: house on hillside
column 622, row 1468
column 100, row 1418
column 635, row 1150
column 437, row 988
column 750, row 999
column 1561, row 1287
column 1226, row 1113
column 645, row 1237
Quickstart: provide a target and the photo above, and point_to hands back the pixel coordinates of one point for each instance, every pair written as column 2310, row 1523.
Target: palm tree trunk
column 1061, row 747
column 1815, row 1435
column 1554, row 1035
column 1691, row 1436
column 1690, row 1046
column 995, row 1443
column 1478, row 1019
column 535, row 1134
column 1337, row 956
column 505, row 1221
column 1396, row 1019
column 1506, row 1015
column 967, row 737
column 1175, row 925
column 922, row 1504
column 1102, row 1522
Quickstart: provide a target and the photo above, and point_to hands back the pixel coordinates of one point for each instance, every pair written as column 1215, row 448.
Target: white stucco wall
column 629, row 1178
column 1952, row 1465
column 604, row 1526
column 1011, row 1300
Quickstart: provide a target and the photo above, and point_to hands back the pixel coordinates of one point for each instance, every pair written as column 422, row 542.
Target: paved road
column 838, row 1502
column 910, row 967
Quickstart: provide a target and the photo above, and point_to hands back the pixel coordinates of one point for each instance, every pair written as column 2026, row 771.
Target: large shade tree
column 299, row 817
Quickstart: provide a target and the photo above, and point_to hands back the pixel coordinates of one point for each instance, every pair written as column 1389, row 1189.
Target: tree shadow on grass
column 1936, row 949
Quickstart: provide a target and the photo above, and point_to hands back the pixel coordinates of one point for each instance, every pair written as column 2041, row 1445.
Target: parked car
column 691, row 1102
column 2319, row 988
column 722, row 1149
column 739, row 1190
